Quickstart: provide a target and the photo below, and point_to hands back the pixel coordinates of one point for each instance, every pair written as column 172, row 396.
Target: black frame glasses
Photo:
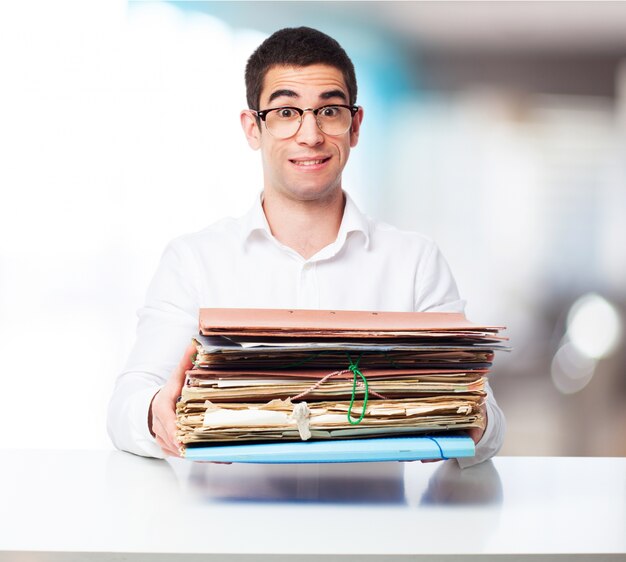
column 262, row 115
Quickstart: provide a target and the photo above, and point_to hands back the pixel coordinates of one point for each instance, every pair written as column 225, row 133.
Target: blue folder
column 345, row 450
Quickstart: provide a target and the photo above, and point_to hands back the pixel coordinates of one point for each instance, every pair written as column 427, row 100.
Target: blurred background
column 498, row 129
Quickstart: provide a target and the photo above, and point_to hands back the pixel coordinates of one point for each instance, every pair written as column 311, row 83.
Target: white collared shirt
column 238, row 263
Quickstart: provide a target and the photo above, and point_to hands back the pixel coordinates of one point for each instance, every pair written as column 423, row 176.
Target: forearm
column 166, row 324
column 127, row 420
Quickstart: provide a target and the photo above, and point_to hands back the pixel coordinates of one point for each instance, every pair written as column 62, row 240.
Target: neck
column 304, row 226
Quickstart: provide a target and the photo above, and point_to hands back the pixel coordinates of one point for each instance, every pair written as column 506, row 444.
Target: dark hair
column 296, row 46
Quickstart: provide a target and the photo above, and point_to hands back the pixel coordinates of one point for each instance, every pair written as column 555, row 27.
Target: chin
column 314, row 193
column 312, row 190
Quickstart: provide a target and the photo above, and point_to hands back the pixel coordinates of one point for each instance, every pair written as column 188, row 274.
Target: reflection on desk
column 84, row 506
column 379, row 483
column 451, row 485
column 354, row 483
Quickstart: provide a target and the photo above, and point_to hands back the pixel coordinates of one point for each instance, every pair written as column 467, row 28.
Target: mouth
column 309, row 163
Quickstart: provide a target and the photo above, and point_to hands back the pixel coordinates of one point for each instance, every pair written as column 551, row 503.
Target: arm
column 166, row 323
column 162, row 410
column 436, row 291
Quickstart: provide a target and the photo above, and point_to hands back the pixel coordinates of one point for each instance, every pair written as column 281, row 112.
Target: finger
column 164, row 427
column 173, row 438
column 164, row 410
column 476, row 434
column 166, row 448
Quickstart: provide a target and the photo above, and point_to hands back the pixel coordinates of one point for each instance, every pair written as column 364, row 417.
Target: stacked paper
column 298, row 375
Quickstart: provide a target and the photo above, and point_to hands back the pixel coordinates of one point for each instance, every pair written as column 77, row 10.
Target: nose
column 309, row 133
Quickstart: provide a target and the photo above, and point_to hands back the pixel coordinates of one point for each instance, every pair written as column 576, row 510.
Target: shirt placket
column 308, row 290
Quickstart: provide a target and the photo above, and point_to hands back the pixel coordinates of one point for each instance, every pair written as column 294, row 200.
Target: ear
column 250, row 129
column 356, row 127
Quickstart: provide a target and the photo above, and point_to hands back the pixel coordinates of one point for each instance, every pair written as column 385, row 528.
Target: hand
column 476, row 433
column 162, row 413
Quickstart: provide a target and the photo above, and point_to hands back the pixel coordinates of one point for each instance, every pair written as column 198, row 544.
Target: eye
column 330, row 111
column 286, row 113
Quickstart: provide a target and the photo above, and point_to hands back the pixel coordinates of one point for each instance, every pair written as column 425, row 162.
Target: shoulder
column 222, row 232
column 386, row 235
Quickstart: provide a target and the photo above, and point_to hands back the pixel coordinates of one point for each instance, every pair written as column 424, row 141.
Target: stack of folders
column 319, row 377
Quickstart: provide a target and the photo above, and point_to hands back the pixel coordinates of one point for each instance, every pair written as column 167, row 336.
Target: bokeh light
column 594, row 326
column 571, row 371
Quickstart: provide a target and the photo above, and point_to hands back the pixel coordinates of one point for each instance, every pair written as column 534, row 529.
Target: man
column 304, row 244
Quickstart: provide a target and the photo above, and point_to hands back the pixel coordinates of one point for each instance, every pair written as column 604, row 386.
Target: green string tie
column 354, row 367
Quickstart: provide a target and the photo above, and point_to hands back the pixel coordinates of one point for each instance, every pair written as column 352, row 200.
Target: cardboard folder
column 301, row 379
column 334, row 323
column 356, row 450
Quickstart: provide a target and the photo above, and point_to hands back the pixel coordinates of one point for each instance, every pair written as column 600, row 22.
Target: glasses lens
column 283, row 122
column 334, row 120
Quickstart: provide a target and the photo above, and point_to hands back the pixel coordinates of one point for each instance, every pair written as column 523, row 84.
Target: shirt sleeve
column 491, row 441
column 436, row 291
column 166, row 324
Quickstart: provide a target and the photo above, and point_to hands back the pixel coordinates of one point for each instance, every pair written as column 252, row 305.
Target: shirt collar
column 254, row 222
column 353, row 221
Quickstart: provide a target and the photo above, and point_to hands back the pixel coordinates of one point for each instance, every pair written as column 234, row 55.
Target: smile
column 306, row 163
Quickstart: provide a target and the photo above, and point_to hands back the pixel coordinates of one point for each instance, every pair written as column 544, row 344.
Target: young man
column 303, row 244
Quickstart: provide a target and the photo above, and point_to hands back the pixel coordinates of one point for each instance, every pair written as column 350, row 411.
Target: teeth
column 308, row 162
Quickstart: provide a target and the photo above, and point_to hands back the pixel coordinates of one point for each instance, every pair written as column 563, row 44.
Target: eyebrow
column 283, row 93
column 334, row 94
column 291, row 94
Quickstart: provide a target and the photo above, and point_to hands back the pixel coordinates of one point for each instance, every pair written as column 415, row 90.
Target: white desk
column 91, row 505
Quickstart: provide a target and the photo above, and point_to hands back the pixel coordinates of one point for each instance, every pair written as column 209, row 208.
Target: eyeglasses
column 284, row 122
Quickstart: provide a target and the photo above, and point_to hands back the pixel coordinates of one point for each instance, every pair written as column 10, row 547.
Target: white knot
column 300, row 415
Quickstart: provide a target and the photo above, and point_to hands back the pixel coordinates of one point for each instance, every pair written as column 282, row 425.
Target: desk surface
column 108, row 505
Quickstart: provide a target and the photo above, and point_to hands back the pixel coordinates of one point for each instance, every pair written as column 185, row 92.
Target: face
column 307, row 166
